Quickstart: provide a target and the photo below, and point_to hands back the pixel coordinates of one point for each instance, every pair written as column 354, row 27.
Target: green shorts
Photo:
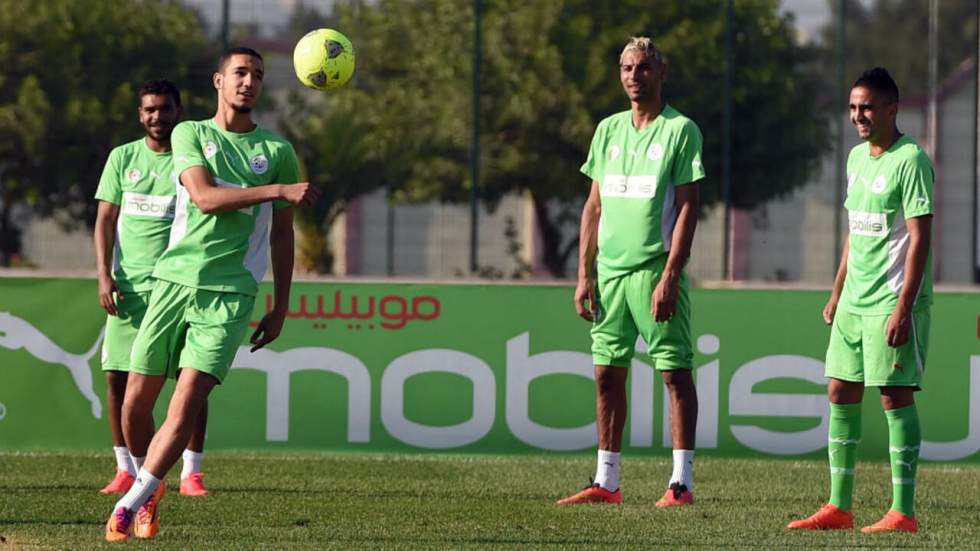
column 121, row 329
column 624, row 314
column 858, row 351
column 185, row 327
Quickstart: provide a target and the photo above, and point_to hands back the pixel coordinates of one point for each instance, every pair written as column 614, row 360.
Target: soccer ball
column 324, row 59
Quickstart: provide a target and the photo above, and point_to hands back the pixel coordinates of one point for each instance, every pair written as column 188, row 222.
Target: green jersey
column 882, row 192
column 226, row 252
column 142, row 182
column 637, row 171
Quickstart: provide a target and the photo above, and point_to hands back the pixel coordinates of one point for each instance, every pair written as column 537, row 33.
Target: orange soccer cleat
column 148, row 516
column 193, row 486
column 829, row 517
column 121, row 484
column 676, row 495
column 120, row 525
column 893, row 521
column 593, row 493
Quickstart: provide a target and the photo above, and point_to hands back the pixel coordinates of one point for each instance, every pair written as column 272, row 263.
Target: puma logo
column 17, row 333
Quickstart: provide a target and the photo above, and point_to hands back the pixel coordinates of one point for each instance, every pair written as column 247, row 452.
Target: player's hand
column 585, row 303
column 109, row 292
column 663, row 303
column 268, row 330
column 897, row 329
column 829, row 310
column 303, row 194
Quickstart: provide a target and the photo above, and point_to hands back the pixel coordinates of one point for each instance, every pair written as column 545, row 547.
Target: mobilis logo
column 870, row 224
column 512, row 381
column 153, row 206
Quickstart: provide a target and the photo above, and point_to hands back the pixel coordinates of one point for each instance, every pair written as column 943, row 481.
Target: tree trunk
column 553, row 254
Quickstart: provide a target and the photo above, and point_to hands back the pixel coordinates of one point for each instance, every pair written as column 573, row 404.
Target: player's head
column 642, row 69
column 238, row 79
column 873, row 104
column 159, row 108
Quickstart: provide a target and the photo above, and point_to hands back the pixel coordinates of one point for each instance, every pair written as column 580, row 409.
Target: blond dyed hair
column 642, row 44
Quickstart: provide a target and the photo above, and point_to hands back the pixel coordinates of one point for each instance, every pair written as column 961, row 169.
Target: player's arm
column 664, row 301
column 587, row 247
column 920, row 231
column 213, row 199
column 281, row 243
column 830, row 309
column 105, row 240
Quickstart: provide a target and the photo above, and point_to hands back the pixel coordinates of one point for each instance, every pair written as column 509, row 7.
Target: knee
column 679, row 382
column 609, row 382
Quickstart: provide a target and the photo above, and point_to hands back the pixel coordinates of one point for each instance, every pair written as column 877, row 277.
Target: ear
column 664, row 71
column 216, row 80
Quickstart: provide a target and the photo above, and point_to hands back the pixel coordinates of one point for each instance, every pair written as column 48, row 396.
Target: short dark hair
column 160, row 88
column 237, row 50
column 878, row 81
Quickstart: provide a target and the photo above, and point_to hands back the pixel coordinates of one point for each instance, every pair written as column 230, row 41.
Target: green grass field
column 314, row 501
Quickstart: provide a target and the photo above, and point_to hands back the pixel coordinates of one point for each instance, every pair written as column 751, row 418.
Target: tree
column 894, row 34
column 549, row 74
column 69, row 72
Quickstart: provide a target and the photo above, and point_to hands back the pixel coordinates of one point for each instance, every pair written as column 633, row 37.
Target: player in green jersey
column 636, row 234
column 132, row 229
column 236, row 182
column 879, row 306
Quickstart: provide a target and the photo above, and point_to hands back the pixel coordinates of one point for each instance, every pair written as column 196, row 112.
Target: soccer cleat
column 148, row 517
column 676, row 495
column 193, row 486
column 893, row 521
column 593, row 493
column 120, row 484
column 829, row 517
column 119, row 525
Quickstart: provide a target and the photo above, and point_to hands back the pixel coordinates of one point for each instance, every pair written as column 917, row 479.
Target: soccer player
column 236, row 179
column 132, row 229
column 879, row 306
column 637, row 228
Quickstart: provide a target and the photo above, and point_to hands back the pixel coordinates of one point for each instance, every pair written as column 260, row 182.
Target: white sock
column 683, row 466
column 123, row 460
column 138, row 462
column 192, row 463
column 607, row 470
column 141, row 491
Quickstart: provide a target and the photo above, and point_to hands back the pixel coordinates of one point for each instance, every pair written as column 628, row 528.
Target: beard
column 243, row 109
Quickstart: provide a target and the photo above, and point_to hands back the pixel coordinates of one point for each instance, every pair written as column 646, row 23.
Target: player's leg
column 669, row 345
column 117, row 345
column 216, row 326
column 191, row 474
column 898, row 372
column 125, row 470
column 845, row 390
column 613, row 341
column 150, row 362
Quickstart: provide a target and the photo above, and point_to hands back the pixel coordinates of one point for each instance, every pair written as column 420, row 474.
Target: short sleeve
column 187, row 148
column 594, row 163
column 109, row 189
column 288, row 172
column 917, row 182
column 687, row 166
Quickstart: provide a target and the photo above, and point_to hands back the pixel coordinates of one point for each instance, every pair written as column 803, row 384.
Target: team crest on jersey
column 210, row 150
column 655, row 152
column 259, row 164
column 879, row 184
column 614, row 152
column 134, row 175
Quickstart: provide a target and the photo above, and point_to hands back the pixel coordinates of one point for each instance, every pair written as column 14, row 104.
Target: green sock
column 845, row 433
column 904, row 438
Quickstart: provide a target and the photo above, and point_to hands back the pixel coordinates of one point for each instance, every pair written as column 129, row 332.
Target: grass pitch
column 316, row 501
